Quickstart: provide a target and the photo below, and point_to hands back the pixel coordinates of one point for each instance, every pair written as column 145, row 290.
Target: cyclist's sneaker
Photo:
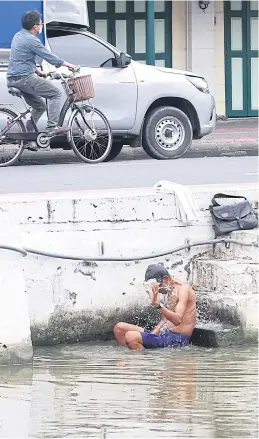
column 57, row 131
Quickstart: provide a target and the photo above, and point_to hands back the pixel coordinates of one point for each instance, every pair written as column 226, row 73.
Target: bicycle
column 89, row 136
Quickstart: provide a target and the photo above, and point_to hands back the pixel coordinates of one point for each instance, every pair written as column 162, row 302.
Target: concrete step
column 225, row 276
column 238, row 310
column 233, row 251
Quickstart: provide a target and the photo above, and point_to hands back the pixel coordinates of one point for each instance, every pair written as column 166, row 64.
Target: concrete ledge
column 107, row 210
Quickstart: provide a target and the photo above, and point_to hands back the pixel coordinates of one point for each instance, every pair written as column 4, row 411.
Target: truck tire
column 114, row 152
column 167, row 133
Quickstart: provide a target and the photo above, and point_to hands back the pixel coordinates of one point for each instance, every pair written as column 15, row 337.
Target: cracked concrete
column 86, row 269
column 226, row 276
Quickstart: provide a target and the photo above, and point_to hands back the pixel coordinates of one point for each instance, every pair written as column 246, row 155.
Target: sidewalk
column 231, row 137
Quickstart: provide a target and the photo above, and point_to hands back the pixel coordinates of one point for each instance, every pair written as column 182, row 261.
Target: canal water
column 104, row 391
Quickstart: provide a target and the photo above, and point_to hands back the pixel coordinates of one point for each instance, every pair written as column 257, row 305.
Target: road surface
column 127, row 174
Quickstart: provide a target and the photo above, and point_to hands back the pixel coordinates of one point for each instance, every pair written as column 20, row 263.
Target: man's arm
column 157, row 328
column 176, row 317
column 39, row 49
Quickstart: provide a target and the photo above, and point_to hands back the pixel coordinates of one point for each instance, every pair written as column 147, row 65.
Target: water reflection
column 15, row 401
column 107, row 392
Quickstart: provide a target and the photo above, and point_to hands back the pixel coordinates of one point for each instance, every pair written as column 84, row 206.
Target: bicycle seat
column 15, row 92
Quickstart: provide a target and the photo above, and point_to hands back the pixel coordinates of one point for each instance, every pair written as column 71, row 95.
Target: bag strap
column 215, row 203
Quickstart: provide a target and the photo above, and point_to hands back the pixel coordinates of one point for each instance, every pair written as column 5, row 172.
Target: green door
column 241, row 58
column 123, row 24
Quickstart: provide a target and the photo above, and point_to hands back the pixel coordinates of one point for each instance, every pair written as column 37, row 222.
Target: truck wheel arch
column 183, row 105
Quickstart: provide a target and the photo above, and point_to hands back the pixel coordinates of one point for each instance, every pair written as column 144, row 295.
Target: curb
column 218, row 149
column 128, row 153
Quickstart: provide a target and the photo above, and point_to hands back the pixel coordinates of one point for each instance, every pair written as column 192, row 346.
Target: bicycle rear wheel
column 10, row 150
column 90, row 135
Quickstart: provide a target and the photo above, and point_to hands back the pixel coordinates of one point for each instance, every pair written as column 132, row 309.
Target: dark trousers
column 34, row 89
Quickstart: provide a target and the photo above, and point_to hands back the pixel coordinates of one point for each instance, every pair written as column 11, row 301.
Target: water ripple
column 103, row 391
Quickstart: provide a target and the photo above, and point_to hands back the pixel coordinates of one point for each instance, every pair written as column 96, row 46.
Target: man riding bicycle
column 24, row 75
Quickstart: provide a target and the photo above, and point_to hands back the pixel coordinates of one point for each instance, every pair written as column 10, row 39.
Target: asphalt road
column 126, row 174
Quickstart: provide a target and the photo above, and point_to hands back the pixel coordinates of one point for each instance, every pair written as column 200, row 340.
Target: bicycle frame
column 32, row 136
column 20, row 116
column 82, row 133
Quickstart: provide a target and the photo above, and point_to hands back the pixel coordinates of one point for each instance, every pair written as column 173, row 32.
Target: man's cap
column 156, row 271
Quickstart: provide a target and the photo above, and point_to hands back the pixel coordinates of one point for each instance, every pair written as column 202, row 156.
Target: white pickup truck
column 160, row 109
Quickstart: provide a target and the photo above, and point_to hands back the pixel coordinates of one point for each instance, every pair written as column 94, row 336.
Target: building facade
column 220, row 42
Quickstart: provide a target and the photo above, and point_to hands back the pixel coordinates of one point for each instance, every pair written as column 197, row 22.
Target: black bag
column 229, row 217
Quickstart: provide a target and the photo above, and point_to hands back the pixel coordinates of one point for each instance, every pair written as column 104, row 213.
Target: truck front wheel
column 167, row 133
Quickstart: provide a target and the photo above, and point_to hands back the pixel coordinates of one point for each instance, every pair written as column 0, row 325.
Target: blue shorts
column 165, row 339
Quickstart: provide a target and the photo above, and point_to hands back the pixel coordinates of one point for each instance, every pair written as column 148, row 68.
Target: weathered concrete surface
column 15, row 338
column 226, row 276
column 108, row 210
column 237, row 251
column 73, row 300
column 68, row 326
column 227, row 287
column 231, row 137
column 237, row 310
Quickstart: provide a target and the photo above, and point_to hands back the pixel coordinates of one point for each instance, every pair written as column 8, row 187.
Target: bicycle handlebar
column 56, row 75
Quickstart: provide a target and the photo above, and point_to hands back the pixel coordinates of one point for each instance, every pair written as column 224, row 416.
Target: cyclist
column 24, row 75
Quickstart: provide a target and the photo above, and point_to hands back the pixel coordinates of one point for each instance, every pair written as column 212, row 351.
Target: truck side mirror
column 123, row 60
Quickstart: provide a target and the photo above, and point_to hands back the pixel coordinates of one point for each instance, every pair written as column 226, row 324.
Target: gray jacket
column 25, row 49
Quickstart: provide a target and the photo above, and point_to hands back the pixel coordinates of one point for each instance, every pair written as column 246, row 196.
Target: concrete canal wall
column 81, row 300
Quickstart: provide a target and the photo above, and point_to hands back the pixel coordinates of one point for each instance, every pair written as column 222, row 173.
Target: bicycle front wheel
column 90, row 135
column 10, row 150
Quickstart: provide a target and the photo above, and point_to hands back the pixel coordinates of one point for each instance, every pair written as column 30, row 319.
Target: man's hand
column 69, row 66
column 154, row 295
column 40, row 73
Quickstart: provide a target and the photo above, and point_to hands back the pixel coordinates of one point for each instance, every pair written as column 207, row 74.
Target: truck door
column 116, row 88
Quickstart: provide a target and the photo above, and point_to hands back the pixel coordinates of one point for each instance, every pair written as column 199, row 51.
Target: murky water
column 103, row 391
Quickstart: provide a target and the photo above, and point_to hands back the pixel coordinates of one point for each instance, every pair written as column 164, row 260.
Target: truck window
column 81, row 49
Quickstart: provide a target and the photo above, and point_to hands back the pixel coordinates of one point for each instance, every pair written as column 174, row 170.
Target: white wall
column 220, row 94
column 205, row 44
column 179, row 34
column 15, row 337
column 201, row 42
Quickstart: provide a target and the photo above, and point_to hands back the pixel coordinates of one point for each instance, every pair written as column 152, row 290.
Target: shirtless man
column 178, row 319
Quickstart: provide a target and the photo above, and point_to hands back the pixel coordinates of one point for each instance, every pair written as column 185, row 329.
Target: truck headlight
column 200, row 83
